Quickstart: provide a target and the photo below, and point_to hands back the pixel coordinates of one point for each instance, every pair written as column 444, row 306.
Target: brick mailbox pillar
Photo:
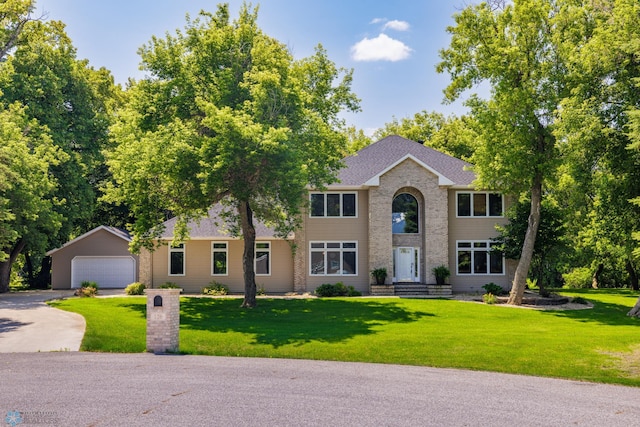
column 163, row 320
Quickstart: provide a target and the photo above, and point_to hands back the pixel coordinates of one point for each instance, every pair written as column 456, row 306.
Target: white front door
column 406, row 264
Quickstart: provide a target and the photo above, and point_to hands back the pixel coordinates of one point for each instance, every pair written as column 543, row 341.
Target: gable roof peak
column 366, row 166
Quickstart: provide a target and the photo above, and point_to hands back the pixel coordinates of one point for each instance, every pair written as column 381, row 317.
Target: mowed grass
column 600, row 344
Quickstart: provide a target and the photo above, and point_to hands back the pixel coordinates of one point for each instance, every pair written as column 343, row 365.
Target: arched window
column 405, row 214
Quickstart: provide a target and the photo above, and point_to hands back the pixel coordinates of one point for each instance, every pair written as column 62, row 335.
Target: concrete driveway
column 28, row 324
column 110, row 390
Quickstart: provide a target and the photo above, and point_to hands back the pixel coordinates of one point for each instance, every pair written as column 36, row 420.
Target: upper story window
column 176, row 260
column 334, row 205
column 405, row 214
column 479, row 204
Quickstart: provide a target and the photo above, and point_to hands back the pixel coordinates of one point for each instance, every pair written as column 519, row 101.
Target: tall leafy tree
column 514, row 47
column 76, row 103
column 28, row 204
column 601, row 174
column 227, row 116
column 14, row 15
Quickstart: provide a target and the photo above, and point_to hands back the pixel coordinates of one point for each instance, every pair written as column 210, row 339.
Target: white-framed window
column 177, row 260
column 479, row 204
column 333, row 205
column 263, row 259
column 477, row 257
column 219, row 259
column 333, row 258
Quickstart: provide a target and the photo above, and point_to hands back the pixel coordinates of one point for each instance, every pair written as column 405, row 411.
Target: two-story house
column 398, row 205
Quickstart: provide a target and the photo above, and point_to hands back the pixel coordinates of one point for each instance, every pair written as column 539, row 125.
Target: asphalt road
column 93, row 389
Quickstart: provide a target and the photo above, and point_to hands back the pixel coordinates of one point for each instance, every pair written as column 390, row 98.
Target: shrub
column 494, row 289
column 169, row 285
column 336, row 290
column 489, row 298
column 578, row 278
column 579, row 300
column 86, row 291
column 135, row 288
column 260, row 290
column 88, row 284
column 215, row 288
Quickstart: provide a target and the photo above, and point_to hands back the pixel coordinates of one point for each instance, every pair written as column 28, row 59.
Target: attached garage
column 100, row 255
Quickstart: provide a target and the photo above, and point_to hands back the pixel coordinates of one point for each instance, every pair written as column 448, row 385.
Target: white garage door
column 107, row 272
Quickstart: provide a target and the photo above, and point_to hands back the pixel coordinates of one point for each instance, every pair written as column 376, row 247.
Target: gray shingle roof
column 376, row 158
column 212, row 226
column 359, row 169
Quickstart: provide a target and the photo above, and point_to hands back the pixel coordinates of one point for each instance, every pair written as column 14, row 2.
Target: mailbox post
column 163, row 320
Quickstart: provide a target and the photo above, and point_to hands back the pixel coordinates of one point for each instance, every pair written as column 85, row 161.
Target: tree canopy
column 227, row 116
column 62, row 100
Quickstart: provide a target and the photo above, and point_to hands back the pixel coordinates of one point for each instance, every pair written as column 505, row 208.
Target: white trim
column 416, row 261
column 442, row 180
column 255, row 258
column 472, row 250
column 487, row 205
column 183, row 249
column 341, row 250
column 341, row 193
column 226, row 252
column 89, row 233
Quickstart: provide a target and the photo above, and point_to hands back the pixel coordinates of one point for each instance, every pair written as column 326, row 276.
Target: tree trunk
column 248, row 257
column 5, row 266
column 633, row 275
column 520, row 279
column 635, row 311
column 595, row 280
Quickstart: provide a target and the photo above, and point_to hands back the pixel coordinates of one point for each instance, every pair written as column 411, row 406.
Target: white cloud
column 397, row 25
column 377, row 20
column 381, row 48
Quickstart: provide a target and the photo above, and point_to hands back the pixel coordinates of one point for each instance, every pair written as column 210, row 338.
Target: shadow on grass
column 603, row 312
column 282, row 322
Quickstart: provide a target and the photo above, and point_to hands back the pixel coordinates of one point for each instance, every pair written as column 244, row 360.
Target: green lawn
column 600, row 344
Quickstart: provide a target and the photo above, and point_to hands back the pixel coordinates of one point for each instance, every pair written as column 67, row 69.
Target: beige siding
column 198, row 269
column 100, row 243
column 334, row 229
column 473, row 229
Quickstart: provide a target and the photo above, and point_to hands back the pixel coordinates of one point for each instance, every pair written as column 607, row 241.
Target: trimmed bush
column 336, row 290
column 494, row 289
column 135, row 288
column 169, row 285
column 215, row 288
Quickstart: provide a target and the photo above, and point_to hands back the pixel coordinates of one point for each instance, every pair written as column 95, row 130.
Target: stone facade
column 146, row 267
column 433, row 239
column 163, row 320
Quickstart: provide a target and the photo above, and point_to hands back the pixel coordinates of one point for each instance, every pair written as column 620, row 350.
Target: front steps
column 411, row 290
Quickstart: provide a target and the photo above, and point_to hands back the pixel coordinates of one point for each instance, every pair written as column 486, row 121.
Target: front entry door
column 406, row 264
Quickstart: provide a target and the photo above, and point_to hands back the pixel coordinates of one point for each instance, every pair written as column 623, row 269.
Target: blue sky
column 391, row 45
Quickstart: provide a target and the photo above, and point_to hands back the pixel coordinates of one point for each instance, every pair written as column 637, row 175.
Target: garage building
column 100, row 255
